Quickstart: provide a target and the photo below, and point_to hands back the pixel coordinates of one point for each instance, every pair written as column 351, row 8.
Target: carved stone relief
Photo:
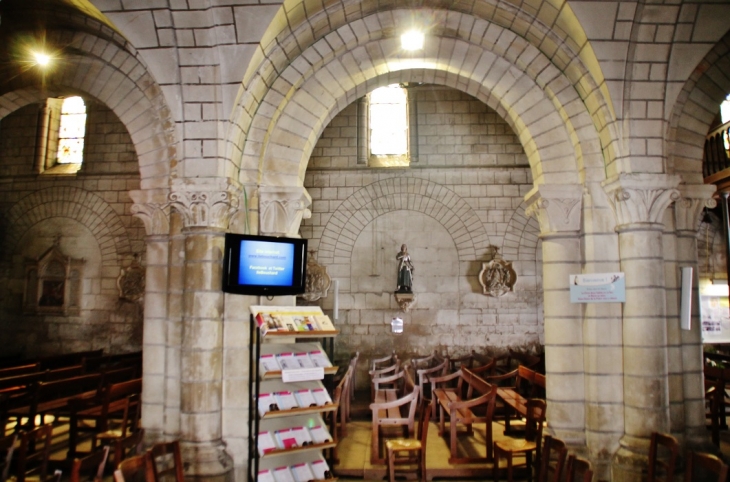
column 53, row 283
column 131, row 282
column 318, row 281
column 497, row 276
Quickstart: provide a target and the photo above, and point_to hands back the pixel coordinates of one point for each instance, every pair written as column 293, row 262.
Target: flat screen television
column 264, row 265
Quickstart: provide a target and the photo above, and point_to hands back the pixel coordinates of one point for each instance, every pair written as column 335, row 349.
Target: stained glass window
column 71, row 133
column 388, row 121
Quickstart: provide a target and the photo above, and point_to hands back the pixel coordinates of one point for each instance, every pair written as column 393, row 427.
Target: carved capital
column 282, row 208
column 557, row 207
column 205, row 206
column 641, row 198
column 688, row 208
column 151, row 207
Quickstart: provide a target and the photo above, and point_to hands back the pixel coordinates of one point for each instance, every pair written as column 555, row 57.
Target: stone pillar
column 639, row 202
column 687, row 212
column 150, row 207
column 558, row 209
column 205, row 211
column 363, row 130
column 412, row 125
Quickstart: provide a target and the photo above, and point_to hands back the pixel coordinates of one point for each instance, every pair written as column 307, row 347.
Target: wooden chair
column 509, row 448
column 663, row 453
column 382, row 362
column 7, row 447
column 94, row 463
column 422, row 377
column 456, row 363
column 389, row 412
column 166, row 462
column 704, row 467
column 714, row 407
column 33, row 453
column 128, row 446
column 135, row 469
column 341, row 398
column 579, row 470
column 386, row 378
column 553, row 457
column 121, row 421
column 414, row 448
column 426, row 361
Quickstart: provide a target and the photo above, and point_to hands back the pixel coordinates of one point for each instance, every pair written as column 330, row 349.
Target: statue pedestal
column 405, row 300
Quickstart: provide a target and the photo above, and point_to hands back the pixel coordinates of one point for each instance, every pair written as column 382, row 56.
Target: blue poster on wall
column 597, row 288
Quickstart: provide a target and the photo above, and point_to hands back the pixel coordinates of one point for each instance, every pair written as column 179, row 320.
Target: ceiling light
column 41, row 58
column 412, row 40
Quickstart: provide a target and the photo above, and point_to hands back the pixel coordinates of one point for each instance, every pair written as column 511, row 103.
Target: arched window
column 388, row 122
column 61, row 131
column 71, row 131
column 725, row 110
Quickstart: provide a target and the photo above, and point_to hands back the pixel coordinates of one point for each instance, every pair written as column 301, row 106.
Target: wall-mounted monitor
column 264, row 265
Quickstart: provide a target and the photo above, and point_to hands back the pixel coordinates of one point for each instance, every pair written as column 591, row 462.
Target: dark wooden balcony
column 716, row 161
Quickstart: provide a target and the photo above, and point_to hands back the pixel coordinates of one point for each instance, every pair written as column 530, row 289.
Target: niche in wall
column 53, row 283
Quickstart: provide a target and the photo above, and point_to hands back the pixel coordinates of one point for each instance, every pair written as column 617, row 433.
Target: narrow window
column 71, row 131
column 389, row 126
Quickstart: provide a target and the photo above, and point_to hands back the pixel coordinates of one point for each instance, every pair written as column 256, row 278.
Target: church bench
column 477, row 406
column 51, row 398
column 19, row 370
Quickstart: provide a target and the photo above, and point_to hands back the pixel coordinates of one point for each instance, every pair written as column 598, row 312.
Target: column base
column 207, row 460
column 630, row 460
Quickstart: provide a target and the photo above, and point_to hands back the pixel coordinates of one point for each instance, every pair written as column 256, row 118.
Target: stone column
column 558, row 209
column 205, row 210
column 363, row 130
column 150, row 207
column 281, row 210
column 687, row 212
column 639, row 202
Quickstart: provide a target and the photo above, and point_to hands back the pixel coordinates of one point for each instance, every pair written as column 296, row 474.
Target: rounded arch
column 394, row 194
column 85, row 207
column 694, row 112
column 522, row 237
column 123, row 85
column 501, row 69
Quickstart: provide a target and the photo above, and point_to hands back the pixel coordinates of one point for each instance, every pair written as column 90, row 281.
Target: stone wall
column 463, row 196
column 90, row 211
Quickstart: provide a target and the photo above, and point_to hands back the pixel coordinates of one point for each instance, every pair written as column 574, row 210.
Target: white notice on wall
column 597, row 288
column 302, row 374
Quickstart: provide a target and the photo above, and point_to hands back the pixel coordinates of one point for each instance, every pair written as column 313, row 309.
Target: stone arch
column 522, row 237
column 414, row 194
column 696, row 107
column 85, row 207
column 341, row 66
column 123, row 85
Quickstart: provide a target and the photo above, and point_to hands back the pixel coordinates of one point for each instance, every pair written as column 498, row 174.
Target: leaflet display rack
column 289, row 405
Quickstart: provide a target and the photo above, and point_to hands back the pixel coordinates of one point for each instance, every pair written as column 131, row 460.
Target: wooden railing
column 716, row 157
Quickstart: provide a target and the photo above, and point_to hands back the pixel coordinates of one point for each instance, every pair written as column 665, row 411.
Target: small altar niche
column 53, row 283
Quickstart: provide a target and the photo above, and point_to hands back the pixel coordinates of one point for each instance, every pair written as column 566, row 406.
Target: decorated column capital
column 205, row 205
column 640, row 198
column 557, row 207
column 150, row 205
column 694, row 198
column 282, row 208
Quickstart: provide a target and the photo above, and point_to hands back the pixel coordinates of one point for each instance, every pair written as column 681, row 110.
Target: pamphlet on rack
column 292, row 319
column 305, row 398
column 266, row 443
column 321, row 396
column 302, row 472
column 286, row 400
column 267, row 403
column 321, row 469
column 319, row 434
column 283, row 474
column 265, row 476
column 302, row 374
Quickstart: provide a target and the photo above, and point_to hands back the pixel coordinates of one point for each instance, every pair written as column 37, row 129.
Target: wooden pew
column 50, row 398
column 462, row 410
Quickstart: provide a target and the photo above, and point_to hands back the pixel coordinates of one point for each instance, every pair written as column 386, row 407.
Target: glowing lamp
column 412, row 40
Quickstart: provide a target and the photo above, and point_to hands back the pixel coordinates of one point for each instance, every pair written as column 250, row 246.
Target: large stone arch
column 393, row 194
column 114, row 76
column 85, row 207
column 510, row 75
column 695, row 110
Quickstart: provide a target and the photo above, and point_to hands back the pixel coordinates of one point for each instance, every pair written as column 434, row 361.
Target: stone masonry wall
column 91, row 213
column 449, row 218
